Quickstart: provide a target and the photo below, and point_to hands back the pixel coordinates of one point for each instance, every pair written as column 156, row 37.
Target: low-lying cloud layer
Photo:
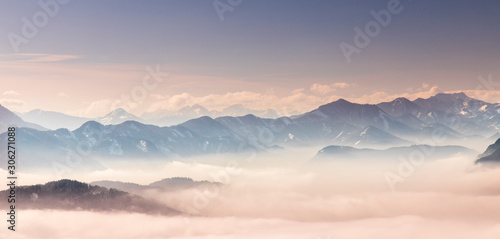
column 447, row 198
column 58, row 224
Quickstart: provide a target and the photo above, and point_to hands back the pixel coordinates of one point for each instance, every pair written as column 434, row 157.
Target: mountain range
column 55, row 120
column 443, row 119
column 8, row 118
column 334, row 152
column 456, row 111
column 129, row 140
column 169, row 118
column 461, row 115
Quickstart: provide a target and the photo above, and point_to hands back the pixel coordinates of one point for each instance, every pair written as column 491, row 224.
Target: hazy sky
column 86, row 57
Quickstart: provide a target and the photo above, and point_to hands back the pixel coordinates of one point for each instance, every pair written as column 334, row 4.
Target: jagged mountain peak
column 249, row 117
column 399, row 107
column 90, row 125
column 118, row 112
column 342, row 101
column 195, row 107
column 118, row 116
column 451, row 96
column 339, row 103
column 9, row 118
column 401, row 100
column 445, row 97
column 203, row 118
column 205, row 126
column 342, row 105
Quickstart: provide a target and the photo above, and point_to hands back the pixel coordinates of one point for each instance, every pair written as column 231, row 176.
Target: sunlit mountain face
column 250, row 119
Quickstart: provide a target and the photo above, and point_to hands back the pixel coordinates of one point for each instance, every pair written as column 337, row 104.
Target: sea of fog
column 283, row 194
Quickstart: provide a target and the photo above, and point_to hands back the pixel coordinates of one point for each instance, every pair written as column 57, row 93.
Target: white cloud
column 491, row 96
column 321, row 89
column 98, row 108
column 157, row 96
column 383, row 96
column 447, row 198
column 13, row 104
column 297, row 100
column 341, row 85
column 75, row 224
column 63, row 95
column 327, row 89
column 11, row 93
column 36, row 58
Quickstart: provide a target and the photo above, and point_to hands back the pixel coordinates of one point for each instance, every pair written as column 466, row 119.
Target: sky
column 88, row 57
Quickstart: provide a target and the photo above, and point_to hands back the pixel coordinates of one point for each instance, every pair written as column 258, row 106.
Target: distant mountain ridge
column 94, row 141
column 335, row 152
column 55, row 120
column 455, row 118
column 458, row 111
column 118, row 116
column 399, row 107
column 169, row 118
column 8, row 119
column 465, row 115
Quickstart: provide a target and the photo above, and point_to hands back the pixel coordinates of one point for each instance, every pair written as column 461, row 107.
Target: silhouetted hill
column 73, row 195
column 335, row 152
